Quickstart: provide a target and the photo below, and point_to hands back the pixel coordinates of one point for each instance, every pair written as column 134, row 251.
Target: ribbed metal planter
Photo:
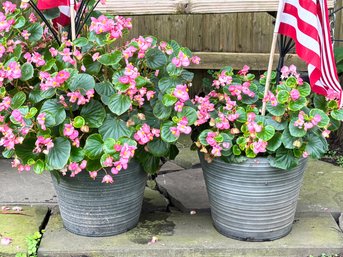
column 95, row 209
column 252, row 201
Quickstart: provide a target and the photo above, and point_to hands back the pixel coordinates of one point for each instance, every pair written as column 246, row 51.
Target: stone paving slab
column 18, row 227
column 25, row 187
column 186, row 189
column 322, row 189
column 193, row 236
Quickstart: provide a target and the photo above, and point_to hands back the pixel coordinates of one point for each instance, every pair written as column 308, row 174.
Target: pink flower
column 181, row 127
column 244, row 71
column 42, row 143
column 143, row 135
column 18, row 116
column 181, row 92
column 270, row 98
column 181, row 60
column 284, row 72
column 295, row 94
column 32, row 18
column 332, row 95
column 6, row 240
column 216, row 151
column 25, row 34
column 326, row 133
column 195, row 59
column 93, row 174
column 108, row 162
column 9, row 7
column 316, row 119
column 53, row 52
column 260, row 146
column 305, row 154
column 150, row 94
column 179, row 106
column 107, row 179
column 210, row 138
column 95, row 56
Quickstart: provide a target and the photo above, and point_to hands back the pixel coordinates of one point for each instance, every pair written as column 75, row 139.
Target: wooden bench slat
column 256, row 61
column 147, row 7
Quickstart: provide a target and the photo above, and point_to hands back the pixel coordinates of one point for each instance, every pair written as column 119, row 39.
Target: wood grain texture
column 256, row 61
column 144, row 7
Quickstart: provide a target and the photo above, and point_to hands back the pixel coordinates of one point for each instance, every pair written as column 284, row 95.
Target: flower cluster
column 229, row 123
column 86, row 104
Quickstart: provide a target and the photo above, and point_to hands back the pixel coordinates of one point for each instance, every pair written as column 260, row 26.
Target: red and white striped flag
column 307, row 23
column 63, row 6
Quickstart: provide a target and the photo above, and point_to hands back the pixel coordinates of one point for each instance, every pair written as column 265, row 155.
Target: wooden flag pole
column 72, row 19
column 271, row 56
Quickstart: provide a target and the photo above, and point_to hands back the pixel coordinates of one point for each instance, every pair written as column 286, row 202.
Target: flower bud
column 141, row 116
column 297, row 143
column 212, row 122
column 198, row 144
column 130, row 123
column 203, row 150
column 85, row 129
column 234, row 131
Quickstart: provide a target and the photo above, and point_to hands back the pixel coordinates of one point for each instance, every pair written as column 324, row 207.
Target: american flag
column 64, row 7
column 307, row 23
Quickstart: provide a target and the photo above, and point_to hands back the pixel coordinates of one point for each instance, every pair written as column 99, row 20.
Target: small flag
column 307, row 23
column 62, row 5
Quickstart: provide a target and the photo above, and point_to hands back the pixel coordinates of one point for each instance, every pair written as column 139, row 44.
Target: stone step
column 185, row 235
column 18, row 226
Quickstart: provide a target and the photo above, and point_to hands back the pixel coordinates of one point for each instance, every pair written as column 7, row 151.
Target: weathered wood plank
column 143, row 7
column 256, row 61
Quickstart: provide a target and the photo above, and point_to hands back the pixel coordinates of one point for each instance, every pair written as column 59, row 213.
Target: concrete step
column 185, row 235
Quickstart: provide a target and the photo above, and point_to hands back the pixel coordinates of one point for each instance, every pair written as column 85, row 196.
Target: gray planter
column 91, row 208
column 252, row 201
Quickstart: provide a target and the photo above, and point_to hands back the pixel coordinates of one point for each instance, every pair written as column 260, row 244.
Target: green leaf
column 18, row 100
column 187, row 76
column 24, row 150
column 189, row 113
column 283, row 96
column 93, row 165
column 166, row 133
column 79, row 122
column 298, row 104
column 275, row 142
column 93, row 146
column 158, row 148
column 82, row 82
column 77, row 154
column 155, row 58
column 284, row 159
column 278, row 110
column 119, row 104
column 161, row 111
column 18, row 50
column 304, row 89
column 166, row 83
column 114, row 128
column 58, row 156
column 316, row 145
column 109, row 145
column 267, row 133
column 291, row 82
column 48, row 65
column 26, row 71
column 277, row 125
column 202, row 137
column 324, row 118
column 80, row 42
column 94, row 114
column 36, row 31
column 320, row 102
column 236, row 150
column 52, row 13
column 111, row 59
column 287, row 139
column 149, row 162
column 295, row 131
column 169, row 100
column 20, row 22
column 172, row 70
column 173, row 152
column 337, row 114
column 92, row 67
column 242, row 115
column 105, row 90
column 55, row 110
column 334, row 124
column 38, row 167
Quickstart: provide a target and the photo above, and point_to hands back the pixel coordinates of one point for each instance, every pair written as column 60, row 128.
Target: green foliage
column 33, row 242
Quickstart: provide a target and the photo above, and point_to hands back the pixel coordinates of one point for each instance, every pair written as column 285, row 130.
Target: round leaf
column 111, row 59
column 283, row 96
column 155, row 58
column 278, row 110
column 114, row 128
column 162, row 112
column 324, row 118
column 58, row 156
column 337, row 114
column 18, row 100
column 298, row 104
column 55, row 110
column 267, row 133
column 94, row 114
column 38, row 167
column 295, row 131
column 304, row 89
column 158, row 148
column 166, row 133
column 93, row 146
column 82, row 82
column 26, row 71
column 119, row 104
column 189, row 113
